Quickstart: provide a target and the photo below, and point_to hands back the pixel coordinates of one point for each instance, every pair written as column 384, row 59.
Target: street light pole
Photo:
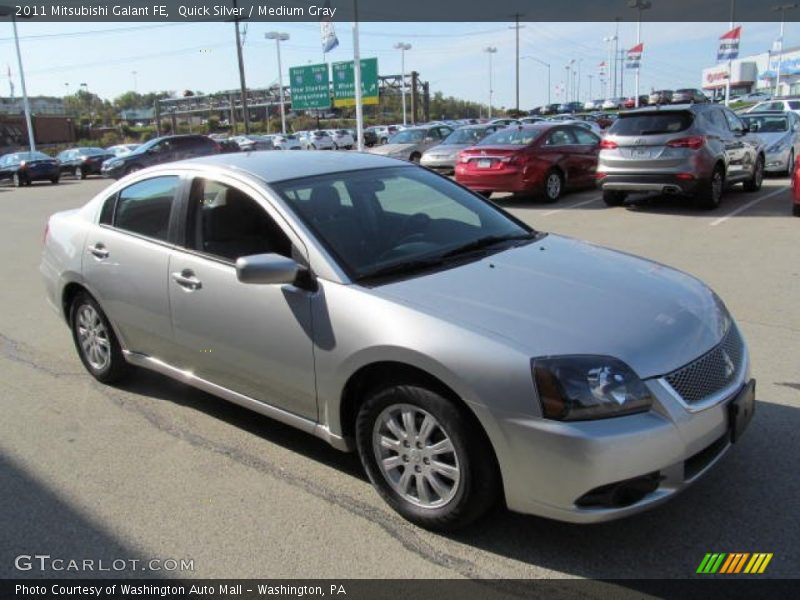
column 25, row 104
column 279, row 37
column 782, row 8
column 403, row 47
column 490, row 50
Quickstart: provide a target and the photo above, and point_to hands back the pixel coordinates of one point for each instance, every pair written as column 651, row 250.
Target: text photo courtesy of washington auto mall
column 424, row 299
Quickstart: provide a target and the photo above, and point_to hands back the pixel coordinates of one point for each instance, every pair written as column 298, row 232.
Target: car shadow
column 776, row 206
column 37, row 520
column 733, row 508
column 160, row 387
column 743, row 504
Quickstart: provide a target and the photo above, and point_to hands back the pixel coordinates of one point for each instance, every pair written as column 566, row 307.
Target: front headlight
column 579, row 388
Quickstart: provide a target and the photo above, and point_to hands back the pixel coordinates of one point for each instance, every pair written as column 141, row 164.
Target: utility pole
column 245, row 116
column 639, row 5
column 402, row 46
column 517, row 27
column 782, row 9
column 490, row 50
column 357, row 80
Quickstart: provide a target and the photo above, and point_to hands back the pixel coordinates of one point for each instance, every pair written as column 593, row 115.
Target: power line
column 69, row 34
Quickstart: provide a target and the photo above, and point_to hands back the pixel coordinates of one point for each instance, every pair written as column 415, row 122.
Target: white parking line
column 576, row 205
column 744, row 207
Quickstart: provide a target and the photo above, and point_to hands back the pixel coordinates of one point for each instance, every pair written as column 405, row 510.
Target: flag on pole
column 10, row 81
column 327, row 32
column 601, row 68
column 634, row 57
column 729, row 44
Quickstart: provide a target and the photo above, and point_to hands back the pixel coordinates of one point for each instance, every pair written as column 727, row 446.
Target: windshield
column 651, row 123
column 91, row 151
column 520, row 136
column 28, row 156
column 766, row 123
column 469, row 135
column 408, row 136
column 376, row 219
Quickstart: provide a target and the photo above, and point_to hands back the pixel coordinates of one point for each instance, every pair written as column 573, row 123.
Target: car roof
column 272, row 167
column 772, row 113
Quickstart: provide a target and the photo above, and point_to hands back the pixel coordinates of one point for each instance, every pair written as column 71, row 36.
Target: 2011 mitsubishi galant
column 386, row 309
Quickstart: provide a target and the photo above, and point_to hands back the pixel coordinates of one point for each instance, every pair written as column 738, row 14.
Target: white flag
column 327, row 32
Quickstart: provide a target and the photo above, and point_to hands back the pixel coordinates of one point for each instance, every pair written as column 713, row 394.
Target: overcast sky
column 177, row 56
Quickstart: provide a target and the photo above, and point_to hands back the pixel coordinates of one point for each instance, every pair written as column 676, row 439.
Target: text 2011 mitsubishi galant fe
column 388, row 310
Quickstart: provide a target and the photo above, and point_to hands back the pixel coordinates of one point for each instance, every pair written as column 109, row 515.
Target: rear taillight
column 608, row 144
column 693, row 142
column 512, row 159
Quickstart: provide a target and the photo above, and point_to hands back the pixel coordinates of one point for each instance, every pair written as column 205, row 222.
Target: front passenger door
column 743, row 149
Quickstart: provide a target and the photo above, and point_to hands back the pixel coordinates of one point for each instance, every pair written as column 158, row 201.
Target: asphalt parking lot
column 154, row 469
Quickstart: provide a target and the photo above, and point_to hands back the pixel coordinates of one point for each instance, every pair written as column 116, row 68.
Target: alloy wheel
column 553, row 186
column 93, row 337
column 416, row 455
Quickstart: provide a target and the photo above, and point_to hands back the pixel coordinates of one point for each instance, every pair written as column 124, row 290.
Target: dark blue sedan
column 23, row 168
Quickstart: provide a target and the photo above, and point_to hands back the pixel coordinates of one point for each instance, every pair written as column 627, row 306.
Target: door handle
column 98, row 250
column 187, row 280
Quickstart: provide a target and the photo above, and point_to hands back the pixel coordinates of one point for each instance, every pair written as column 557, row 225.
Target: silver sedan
column 385, row 309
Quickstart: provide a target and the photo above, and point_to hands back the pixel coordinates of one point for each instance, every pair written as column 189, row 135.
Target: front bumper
column 552, row 468
column 777, row 162
column 114, row 172
column 639, row 183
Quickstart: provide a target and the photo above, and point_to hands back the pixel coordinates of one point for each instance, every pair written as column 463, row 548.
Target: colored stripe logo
column 734, row 563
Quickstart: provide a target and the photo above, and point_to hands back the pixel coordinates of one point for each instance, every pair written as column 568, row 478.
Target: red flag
column 637, row 49
column 733, row 34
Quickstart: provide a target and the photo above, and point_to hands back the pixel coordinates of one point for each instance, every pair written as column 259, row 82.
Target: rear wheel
column 790, row 163
column 710, row 194
column 18, row 181
column 425, row 457
column 95, row 341
column 553, row 186
column 796, row 210
column 614, row 198
column 754, row 183
column 54, row 180
column 80, row 173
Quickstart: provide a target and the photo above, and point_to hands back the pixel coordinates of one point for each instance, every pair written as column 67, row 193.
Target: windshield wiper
column 487, row 241
column 403, row 268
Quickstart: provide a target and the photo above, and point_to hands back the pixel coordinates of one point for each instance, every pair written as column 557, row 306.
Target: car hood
column 559, row 296
column 387, row 149
column 772, row 137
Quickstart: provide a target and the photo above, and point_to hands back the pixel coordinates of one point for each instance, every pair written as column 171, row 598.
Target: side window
column 227, row 223
column 145, row 207
column 445, row 131
column 559, row 137
column 433, row 132
column 107, row 212
column 585, row 137
column 716, row 118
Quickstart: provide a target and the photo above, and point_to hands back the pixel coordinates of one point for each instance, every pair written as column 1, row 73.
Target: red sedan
column 796, row 188
column 544, row 158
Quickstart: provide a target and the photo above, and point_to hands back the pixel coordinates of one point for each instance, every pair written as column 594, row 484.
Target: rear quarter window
column 652, row 123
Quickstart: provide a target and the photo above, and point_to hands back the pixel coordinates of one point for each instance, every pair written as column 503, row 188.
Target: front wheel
column 754, row 183
column 415, row 158
column 95, row 341
column 80, row 173
column 614, row 198
column 54, row 180
column 18, row 181
column 425, row 457
column 790, row 163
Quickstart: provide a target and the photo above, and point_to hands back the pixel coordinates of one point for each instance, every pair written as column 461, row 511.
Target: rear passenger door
column 560, row 149
column 126, row 260
column 253, row 339
column 586, row 151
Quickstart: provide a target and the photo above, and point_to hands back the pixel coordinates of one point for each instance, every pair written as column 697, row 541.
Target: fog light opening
column 620, row 494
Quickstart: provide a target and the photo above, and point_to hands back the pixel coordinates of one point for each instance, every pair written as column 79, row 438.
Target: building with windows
column 756, row 73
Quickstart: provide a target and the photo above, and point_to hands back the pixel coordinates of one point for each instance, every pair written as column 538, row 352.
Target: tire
column 468, row 490
column 553, row 186
column 796, row 210
column 754, row 183
column 104, row 361
column 485, row 194
column 614, row 198
column 312, row 147
column 54, row 180
column 710, row 194
column 790, row 164
column 132, row 169
column 18, row 181
column 383, row 141
column 415, row 158
column 335, row 147
column 80, row 173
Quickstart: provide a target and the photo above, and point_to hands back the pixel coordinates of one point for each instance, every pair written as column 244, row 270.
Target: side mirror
column 266, row 269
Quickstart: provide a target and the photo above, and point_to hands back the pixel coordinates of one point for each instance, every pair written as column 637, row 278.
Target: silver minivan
column 692, row 149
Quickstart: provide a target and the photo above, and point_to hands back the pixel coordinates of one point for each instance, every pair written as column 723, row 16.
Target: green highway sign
column 344, row 89
column 309, row 86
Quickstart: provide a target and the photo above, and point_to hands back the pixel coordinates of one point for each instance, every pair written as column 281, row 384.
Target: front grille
column 712, row 372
